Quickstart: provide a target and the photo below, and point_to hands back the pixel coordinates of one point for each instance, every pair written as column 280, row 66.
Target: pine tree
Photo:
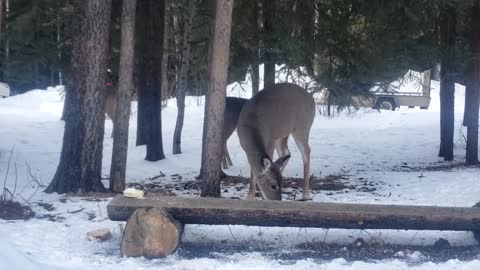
column 150, row 43
column 80, row 164
column 218, row 55
column 447, row 82
column 268, row 16
column 184, row 69
column 473, row 88
column 124, row 94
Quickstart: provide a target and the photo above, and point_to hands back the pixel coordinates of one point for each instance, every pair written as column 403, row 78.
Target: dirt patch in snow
column 442, row 166
column 232, row 185
column 359, row 250
column 11, row 210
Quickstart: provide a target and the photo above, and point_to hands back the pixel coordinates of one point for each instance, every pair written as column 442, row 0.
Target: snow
column 389, row 149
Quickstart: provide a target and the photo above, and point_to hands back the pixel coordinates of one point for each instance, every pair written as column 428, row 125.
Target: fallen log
column 188, row 210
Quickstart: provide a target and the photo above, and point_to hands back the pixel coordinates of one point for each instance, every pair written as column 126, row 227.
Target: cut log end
column 151, row 233
column 476, row 234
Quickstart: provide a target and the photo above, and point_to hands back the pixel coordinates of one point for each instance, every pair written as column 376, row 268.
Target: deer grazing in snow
column 233, row 107
column 265, row 123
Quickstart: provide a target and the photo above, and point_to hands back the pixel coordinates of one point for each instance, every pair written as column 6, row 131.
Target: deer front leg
column 224, row 156
column 252, row 189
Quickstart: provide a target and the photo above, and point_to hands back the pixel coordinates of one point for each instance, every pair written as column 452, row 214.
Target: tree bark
column 184, row 69
column 473, row 89
column 166, row 42
column 141, row 62
column 67, row 105
column 189, row 210
column 124, row 94
column 218, row 55
column 149, row 124
column 80, row 164
column 268, row 13
column 2, row 15
column 305, row 17
column 255, row 72
column 467, row 112
column 447, row 82
column 255, row 78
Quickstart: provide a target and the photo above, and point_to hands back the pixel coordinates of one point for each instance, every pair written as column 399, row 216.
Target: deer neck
column 256, row 149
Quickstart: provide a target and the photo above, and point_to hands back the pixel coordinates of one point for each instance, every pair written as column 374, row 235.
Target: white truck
column 4, row 90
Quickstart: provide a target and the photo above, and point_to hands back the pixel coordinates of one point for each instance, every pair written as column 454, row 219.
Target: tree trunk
column 149, row 126
column 469, row 91
column 447, row 82
column 67, row 105
column 80, row 164
column 255, row 79
column 268, row 7
column 141, row 62
column 473, row 88
column 218, row 55
column 182, row 87
column 166, row 39
column 124, row 95
column 255, row 72
column 305, row 17
column 6, row 59
column 2, row 15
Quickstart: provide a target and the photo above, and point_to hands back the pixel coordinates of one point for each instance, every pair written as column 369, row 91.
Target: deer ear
column 266, row 164
column 282, row 161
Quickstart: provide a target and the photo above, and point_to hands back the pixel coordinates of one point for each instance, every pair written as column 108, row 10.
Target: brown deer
column 233, row 107
column 264, row 125
column 111, row 105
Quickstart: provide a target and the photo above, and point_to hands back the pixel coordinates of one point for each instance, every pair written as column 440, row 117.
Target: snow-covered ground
column 390, row 150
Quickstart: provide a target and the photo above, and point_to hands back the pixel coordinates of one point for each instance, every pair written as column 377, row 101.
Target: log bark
column 302, row 214
column 124, row 94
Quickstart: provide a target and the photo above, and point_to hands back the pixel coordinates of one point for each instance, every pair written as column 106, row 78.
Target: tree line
column 346, row 46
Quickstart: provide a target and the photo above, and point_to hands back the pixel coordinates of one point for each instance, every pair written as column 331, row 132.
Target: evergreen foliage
column 348, row 46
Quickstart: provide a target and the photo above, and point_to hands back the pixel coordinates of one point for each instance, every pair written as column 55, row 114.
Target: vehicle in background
column 383, row 100
column 4, row 90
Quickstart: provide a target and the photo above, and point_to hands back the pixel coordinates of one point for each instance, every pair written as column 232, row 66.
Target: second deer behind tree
column 265, row 123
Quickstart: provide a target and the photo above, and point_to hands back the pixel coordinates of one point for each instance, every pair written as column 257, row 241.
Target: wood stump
column 151, row 233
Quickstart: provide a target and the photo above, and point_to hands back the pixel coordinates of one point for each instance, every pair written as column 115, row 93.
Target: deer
column 233, row 107
column 111, row 105
column 265, row 124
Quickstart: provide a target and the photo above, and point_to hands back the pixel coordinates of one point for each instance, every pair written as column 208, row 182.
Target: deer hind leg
column 227, row 156
column 301, row 139
column 281, row 146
